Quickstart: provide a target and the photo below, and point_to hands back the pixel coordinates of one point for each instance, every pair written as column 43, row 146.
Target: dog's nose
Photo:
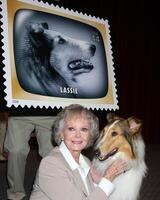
column 92, row 48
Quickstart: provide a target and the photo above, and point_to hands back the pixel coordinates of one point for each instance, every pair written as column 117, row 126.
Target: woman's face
column 76, row 133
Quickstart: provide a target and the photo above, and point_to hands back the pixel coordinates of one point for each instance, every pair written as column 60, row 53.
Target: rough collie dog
column 51, row 62
column 121, row 139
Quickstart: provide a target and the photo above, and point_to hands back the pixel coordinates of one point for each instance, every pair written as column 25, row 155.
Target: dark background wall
column 135, row 28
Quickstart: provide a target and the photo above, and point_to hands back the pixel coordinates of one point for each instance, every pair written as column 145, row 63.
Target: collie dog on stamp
column 53, row 63
column 122, row 139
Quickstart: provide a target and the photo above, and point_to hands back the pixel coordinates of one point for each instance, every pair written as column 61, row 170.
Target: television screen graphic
column 59, row 57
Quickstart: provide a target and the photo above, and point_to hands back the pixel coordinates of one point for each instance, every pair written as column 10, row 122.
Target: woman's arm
column 105, row 182
column 57, row 183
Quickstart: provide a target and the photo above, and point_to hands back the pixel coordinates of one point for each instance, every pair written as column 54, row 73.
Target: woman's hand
column 96, row 177
column 116, row 169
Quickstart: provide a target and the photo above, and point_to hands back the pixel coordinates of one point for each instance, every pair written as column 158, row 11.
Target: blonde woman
column 64, row 173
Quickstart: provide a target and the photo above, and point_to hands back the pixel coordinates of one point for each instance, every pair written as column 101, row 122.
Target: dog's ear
column 111, row 117
column 135, row 125
column 37, row 28
column 36, row 35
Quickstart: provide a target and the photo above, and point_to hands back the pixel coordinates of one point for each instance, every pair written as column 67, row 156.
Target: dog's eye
column 114, row 134
column 61, row 40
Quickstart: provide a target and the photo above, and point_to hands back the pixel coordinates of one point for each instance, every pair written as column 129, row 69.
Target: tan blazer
column 56, row 181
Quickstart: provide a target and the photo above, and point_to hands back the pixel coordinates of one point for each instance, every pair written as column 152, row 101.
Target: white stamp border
column 55, row 101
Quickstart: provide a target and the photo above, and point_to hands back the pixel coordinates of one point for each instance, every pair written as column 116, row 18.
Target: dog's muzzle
column 80, row 66
column 105, row 157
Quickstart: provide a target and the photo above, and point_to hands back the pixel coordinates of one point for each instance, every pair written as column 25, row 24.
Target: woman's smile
column 76, row 134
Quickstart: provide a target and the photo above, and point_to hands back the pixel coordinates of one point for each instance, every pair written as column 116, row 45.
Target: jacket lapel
column 79, row 181
column 90, row 183
column 76, row 175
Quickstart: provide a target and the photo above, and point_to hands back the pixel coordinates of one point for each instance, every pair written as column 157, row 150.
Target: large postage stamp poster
column 54, row 57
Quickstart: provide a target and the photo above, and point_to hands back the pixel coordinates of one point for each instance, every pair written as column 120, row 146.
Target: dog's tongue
column 78, row 64
column 111, row 153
